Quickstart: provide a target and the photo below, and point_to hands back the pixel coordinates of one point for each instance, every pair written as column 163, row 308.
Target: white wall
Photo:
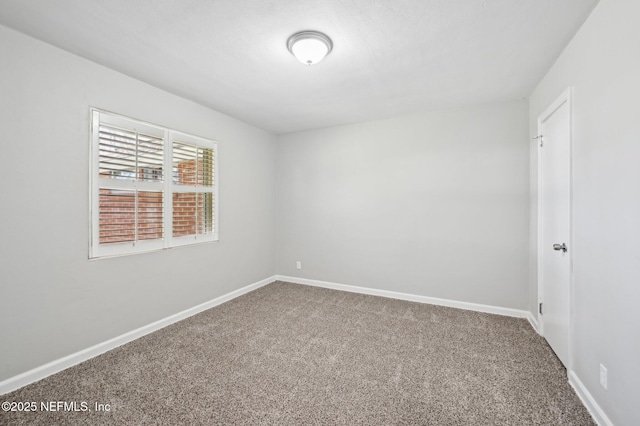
column 602, row 63
column 54, row 301
column 432, row 204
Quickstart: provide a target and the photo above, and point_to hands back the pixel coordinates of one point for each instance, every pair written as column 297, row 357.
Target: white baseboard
column 58, row 365
column 533, row 321
column 409, row 297
column 588, row 401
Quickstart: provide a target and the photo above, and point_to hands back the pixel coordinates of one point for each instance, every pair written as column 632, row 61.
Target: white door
column 554, row 251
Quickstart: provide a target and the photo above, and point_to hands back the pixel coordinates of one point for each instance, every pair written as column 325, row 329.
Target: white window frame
column 167, row 187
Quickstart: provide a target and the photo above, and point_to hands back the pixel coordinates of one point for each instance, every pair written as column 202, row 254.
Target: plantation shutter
column 130, row 184
column 152, row 187
column 193, row 192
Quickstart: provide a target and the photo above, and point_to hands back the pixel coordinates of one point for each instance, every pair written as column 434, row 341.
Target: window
column 151, row 187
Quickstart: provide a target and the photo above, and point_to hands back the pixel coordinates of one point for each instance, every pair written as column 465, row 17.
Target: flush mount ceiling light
column 309, row 47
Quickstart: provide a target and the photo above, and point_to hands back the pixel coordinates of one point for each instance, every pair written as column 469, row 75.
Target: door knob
column 559, row 247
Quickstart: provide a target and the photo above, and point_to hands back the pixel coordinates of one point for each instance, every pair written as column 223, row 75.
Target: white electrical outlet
column 298, row 265
column 603, row 376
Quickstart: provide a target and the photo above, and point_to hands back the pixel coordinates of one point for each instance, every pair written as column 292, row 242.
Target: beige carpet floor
column 296, row 355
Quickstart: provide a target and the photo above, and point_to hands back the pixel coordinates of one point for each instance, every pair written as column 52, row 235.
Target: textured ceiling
column 390, row 56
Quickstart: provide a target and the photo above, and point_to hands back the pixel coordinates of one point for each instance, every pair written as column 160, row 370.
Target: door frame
column 564, row 98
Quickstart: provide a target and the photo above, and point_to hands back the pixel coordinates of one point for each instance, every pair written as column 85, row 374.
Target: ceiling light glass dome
column 309, row 47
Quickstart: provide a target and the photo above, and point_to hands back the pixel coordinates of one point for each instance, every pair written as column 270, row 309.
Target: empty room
column 356, row 212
